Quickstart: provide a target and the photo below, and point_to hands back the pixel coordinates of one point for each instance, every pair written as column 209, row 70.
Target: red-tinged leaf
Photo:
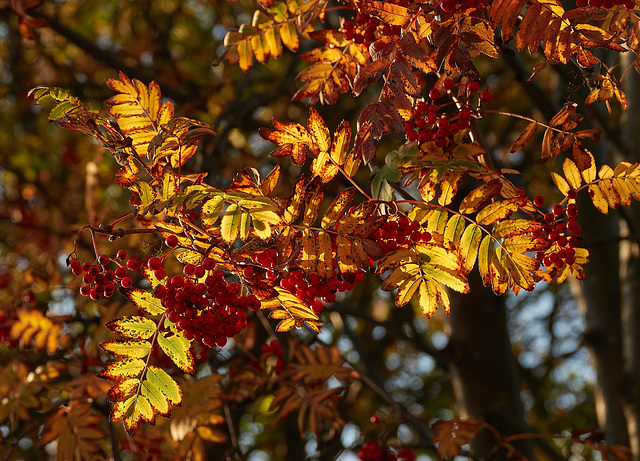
column 314, row 195
column 364, row 147
column 524, row 137
column 370, row 74
column 389, row 13
column 338, row 207
column 340, row 144
column 319, row 132
column 291, row 138
column 479, row 196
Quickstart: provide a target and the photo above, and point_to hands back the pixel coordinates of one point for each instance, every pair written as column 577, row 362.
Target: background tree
column 518, row 363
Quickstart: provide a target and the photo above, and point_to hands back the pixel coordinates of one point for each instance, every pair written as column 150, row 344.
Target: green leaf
column 133, row 327
column 211, row 210
column 165, row 383
column 155, row 397
column 134, row 349
column 176, row 346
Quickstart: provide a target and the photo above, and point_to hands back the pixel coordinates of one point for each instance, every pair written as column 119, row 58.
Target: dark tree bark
column 483, row 368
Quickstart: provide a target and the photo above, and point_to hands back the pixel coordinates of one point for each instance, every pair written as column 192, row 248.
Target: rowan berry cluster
column 203, row 304
column 433, row 122
column 371, row 451
column 98, row 281
column 367, row 29
column 396, row 233
column 562, row 233
column 628, row 4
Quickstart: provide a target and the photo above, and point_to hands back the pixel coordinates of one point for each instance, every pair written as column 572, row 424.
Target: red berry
column 486, row 96
column 448, row 84
column 434, row 94
column 103, row 260
column 85, row 290
column 548, row 217
column 208, row 264
column 160, row 273
column 133, row 264
column 558, row 209
column 171, row 241
column 472, row 87
column 121, row 255
column 94, row 294
column 154, row 263
column 538, row 200
column 375, row 419
column 126, row 282
column 572, row 194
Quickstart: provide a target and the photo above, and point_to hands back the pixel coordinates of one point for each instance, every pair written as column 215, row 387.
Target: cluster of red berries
column 99, row 281
column 562, row 233
column 396, row 233
column 452, row 6
column 366, row 29
column 431, row 122
column 371, row 451
column 203, row 304
column 628, row 4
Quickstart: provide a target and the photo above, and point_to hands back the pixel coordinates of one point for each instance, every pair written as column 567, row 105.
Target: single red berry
column 548, row 217
column 486, row 97
column 317, row 306
column 126, row 282
column 95, row 294
column 85, row 290
column 572, row 194
column 434, row 94
column 133, row 264
column 473, row 86
column 208, row 264
column 154, row 263
column 375, row 419
column 171, row 241
column 121, row 255
column 448, row 84
column 160, row 273
column 538, row 201
column 558, row 209
column 103, row 260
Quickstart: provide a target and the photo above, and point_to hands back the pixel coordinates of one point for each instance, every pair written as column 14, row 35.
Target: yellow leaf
column 156, row 398
column 479, row 196
column 176, row 346
column 127, row 348
column 230, row 224
column 165, row 383
column 338, row 207
column 145, row 301
column 499, row 210
column 125, row 368
column 572, row 173
column 561, row 183
column 469, row 243
column 598, row 198
column 407, row 289
column 133, row 327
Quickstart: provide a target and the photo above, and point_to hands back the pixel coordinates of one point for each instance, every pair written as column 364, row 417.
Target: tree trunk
column 483, row 368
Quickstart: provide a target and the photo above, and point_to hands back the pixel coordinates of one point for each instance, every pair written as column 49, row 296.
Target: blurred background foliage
column 53, row 182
